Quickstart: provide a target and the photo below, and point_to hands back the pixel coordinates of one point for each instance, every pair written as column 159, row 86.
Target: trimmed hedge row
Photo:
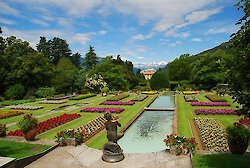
column 215, row 98
column 118, row 97
column 85, row 96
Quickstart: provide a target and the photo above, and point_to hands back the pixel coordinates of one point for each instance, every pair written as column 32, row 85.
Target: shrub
column 15, row 92
column 238, row 139
column 3, row 129
column 105, row 90
column 45, row 92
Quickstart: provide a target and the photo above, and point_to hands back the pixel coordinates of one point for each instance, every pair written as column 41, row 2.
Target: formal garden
column 53, row 99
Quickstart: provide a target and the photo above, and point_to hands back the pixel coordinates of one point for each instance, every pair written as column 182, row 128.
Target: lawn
column 20, row 149
column 221, row 161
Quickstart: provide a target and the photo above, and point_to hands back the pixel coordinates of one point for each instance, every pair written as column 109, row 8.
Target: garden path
column 85, row 157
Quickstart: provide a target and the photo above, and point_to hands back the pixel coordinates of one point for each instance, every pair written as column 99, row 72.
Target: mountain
column 155, row 65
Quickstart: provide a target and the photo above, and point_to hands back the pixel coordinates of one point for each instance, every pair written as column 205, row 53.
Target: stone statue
column 112, row 152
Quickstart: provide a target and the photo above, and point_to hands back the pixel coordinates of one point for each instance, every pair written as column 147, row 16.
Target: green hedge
column 118, row 97
column 215, row 98
column 85, row 96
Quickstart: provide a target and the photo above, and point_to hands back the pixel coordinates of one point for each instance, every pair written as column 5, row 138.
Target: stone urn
column 173, row 150
column 30, row 135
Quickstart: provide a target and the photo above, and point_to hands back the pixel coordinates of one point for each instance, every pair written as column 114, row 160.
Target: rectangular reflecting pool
column 150, row 129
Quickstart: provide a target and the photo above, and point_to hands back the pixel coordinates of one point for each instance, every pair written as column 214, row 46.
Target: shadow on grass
column 221, row 161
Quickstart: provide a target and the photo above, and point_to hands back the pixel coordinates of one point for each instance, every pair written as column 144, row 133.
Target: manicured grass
column 126, row 116
column 220, row 161
column 20, row 149
column 184, row 115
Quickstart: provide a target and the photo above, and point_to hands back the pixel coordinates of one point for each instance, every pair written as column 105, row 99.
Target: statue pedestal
column 112, row 157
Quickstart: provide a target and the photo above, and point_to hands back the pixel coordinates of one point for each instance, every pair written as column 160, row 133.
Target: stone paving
column 85, row 157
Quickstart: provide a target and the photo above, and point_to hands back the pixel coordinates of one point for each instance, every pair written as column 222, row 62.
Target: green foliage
column 238, row 135
column 238, row 75
column 118, row 97
column 66, row 73
column 159, row 80
column 27, row 123
column 105, row 90
column 45, row 92
column 90, row 59
column 16, row 91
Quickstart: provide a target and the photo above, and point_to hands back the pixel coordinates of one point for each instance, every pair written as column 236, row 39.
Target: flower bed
column 182, row 144
column 118, row 97
column 49, row 123
column 244, row 120
column 214, row 111
column 140, row 98
column 210, row 104
column 212, row 134
column 215, row 98
column 12, row 103
column 63, row 97
column 52, row 102
column 117, row 103
column 190, row 98
column 190, row 92
column 149, row 92
column 19, row 107
column 10, row 114
column 100, row 110
column 85, row 96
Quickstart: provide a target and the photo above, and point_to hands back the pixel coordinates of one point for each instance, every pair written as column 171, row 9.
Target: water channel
column 148, row 132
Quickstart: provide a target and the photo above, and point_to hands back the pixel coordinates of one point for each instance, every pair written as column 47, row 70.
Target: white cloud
column 39, row 22
column 196, row 39
column 6, row 21
column 80, row 38
column 140, row 57
column 217, row 31
column 141, row 37
column 142, row 49
column 176, row 43
column 102, row 32
column 6, row 9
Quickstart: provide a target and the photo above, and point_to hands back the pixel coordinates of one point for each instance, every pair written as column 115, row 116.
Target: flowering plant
column 77, row 135
column 182, row 144
column 27, row 123
column 3, row 129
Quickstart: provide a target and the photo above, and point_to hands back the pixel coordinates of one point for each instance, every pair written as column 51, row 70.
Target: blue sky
column 142, row 31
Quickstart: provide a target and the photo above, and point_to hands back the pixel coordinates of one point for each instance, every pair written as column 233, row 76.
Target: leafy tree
column 45, row 92
column 159, row 80
column 80, row 81
column 75, row 59
column 239, row 71
column 16, row 91
column 43, row 47
column 208, row 71
column 95, row 82
column 91, row 59
column 63, row 80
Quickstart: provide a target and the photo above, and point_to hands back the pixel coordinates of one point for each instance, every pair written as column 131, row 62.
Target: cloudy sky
column 139, row 30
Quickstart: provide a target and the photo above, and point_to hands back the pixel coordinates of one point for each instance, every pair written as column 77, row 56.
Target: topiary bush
column 238, row 139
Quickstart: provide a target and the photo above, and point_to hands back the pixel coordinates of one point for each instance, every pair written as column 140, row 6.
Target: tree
column 159, row 80
column 55, row 49
column 238, row 74
column 95, row 82
column 63, row 80
column 91, row 59
column 75, row 58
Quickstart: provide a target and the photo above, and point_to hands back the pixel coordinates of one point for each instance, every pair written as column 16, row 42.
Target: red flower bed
column 244, row 120
column 49, row 123
column 214, row 111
